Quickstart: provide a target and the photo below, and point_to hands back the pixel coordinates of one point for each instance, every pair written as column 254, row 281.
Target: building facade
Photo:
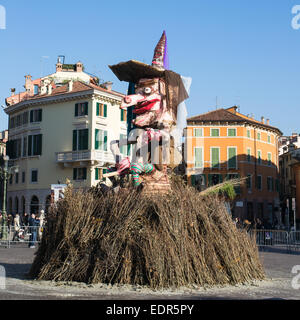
column 66, row 132
column 225, row 144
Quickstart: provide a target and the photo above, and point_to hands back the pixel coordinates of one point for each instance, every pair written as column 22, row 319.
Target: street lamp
column 6, row 172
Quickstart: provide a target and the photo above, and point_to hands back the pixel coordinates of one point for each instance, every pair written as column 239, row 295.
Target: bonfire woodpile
column 161, row 241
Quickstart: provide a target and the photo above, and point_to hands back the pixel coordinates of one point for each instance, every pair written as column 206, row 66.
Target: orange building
column 225, row 144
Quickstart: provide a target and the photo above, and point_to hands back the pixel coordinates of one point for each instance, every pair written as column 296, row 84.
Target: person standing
column 33, row 227
column 17, row 226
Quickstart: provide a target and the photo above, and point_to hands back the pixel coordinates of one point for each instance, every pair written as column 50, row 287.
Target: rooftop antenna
column 216, row 102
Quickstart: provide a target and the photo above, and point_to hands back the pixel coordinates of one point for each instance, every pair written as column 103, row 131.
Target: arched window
column 9, row 207
column 47, row 204
column 16, row 205
column 34, row 205
column 23, row 205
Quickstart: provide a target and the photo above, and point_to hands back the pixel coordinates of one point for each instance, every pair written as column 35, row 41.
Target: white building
column 61, row 133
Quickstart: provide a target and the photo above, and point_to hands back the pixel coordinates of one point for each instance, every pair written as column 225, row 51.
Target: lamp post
column 6, row 173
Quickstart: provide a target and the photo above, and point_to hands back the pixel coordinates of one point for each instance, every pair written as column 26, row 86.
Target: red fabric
column 145, row 106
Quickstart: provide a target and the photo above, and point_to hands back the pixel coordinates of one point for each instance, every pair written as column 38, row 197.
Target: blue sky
column 244, row 52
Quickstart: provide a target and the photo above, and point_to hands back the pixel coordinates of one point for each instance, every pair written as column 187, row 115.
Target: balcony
column 85, row 158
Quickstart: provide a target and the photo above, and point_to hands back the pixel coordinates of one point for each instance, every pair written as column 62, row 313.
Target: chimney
column 70, row 86
column 262, row 119
column 108, row 85
column 28, row 83
column 233, row 109
column 59, row 67
column 13, row 91
column 43, row 88
column 50, row 89
column 268, row 122
column 79, row 67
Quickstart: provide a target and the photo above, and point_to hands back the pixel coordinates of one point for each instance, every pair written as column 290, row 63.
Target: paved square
column 17, row 261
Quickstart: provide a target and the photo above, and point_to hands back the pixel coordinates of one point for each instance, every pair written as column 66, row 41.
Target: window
column 100, row 140
column 231, row 157
column 11, row 179
column 259, row 156
column 198, row 180
column 199, row 158
column 214, row 132
column 35, row 145
column 79, row 174
column 214, row 179
column 258, row 136
column 97, row 173
column 123, row 115
column 81, row 109
column 101, row 110
column 25, row 117
column 270, row 184
column 36, row 115
column 36, row 89
column 269, row 139
column 17, row 177
column 198, row 132
column 215, row 158
column 24, row 146
column 34, row 175
column 80, row 139
column 231, row 132
column 249, row 182
column 249, row 155
column 23, row 176
column 259, row 182
column 269, row 159
column 248, row 133
column 14, row 148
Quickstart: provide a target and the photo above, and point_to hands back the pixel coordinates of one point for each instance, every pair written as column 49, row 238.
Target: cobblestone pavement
column 17, row 261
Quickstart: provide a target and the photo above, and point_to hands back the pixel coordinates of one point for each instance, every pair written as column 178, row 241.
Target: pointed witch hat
column 133, row 71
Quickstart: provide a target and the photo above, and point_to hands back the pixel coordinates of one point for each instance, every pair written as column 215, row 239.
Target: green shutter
column 31, row 116
column 40, row 112
column 215, row 157
column 76, row 110
column 74, row 140
column 29, row 146
column 39, row 144
column 97, row 174
column 122, row 115
column 105, row 140
column 232, row 158
column 97, row 144
column 198, row 157
column 85, row 145
column 215, row 132
column 193, row 180
column 105, row 111
column 86, row 109
column 98, row 109
column 84, row 173
column 231, row 132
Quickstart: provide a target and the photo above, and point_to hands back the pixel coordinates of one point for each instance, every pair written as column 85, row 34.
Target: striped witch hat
column 161, row 58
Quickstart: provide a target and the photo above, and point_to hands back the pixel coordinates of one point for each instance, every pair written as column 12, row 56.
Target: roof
column 224, row 115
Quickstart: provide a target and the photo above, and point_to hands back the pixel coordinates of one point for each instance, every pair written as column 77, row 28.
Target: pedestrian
column 25, row 219
column 33, row 226
column 41, row 225
column 17, row 226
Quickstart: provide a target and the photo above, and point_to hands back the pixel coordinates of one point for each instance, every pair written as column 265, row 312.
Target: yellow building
column 61, row 133
column 224, row 144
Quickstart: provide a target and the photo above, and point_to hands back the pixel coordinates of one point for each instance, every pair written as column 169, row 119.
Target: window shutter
column 105, row 111
column 31, row 116
column 198, row 157
column 122, row 115
column 215, row 157
column 105, row 140
column 97, row 134
column 75, row 174
column 86, row 109
column 232, row 158
column 74, row 140
column 29, row 145
column 193, row 180
column 76, row 110
column 98, row 109
column 40, row 112
column 97, row 174
column 85, row 139
column 84, row 173
column 39, row 144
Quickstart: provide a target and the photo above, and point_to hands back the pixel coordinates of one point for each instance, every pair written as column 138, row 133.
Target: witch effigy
column 158, row 116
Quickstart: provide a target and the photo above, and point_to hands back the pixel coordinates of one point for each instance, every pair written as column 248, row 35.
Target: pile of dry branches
column 180, row 239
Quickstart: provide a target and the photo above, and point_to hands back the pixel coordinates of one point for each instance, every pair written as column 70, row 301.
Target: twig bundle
column 179, row 239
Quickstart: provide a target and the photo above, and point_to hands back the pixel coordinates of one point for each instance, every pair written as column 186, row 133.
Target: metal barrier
column 10, row 236
column 289, row 241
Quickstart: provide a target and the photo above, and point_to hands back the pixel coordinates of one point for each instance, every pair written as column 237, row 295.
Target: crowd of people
column 20, row 225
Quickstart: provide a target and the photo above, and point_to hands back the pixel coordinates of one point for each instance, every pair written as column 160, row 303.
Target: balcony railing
column 77, row 156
